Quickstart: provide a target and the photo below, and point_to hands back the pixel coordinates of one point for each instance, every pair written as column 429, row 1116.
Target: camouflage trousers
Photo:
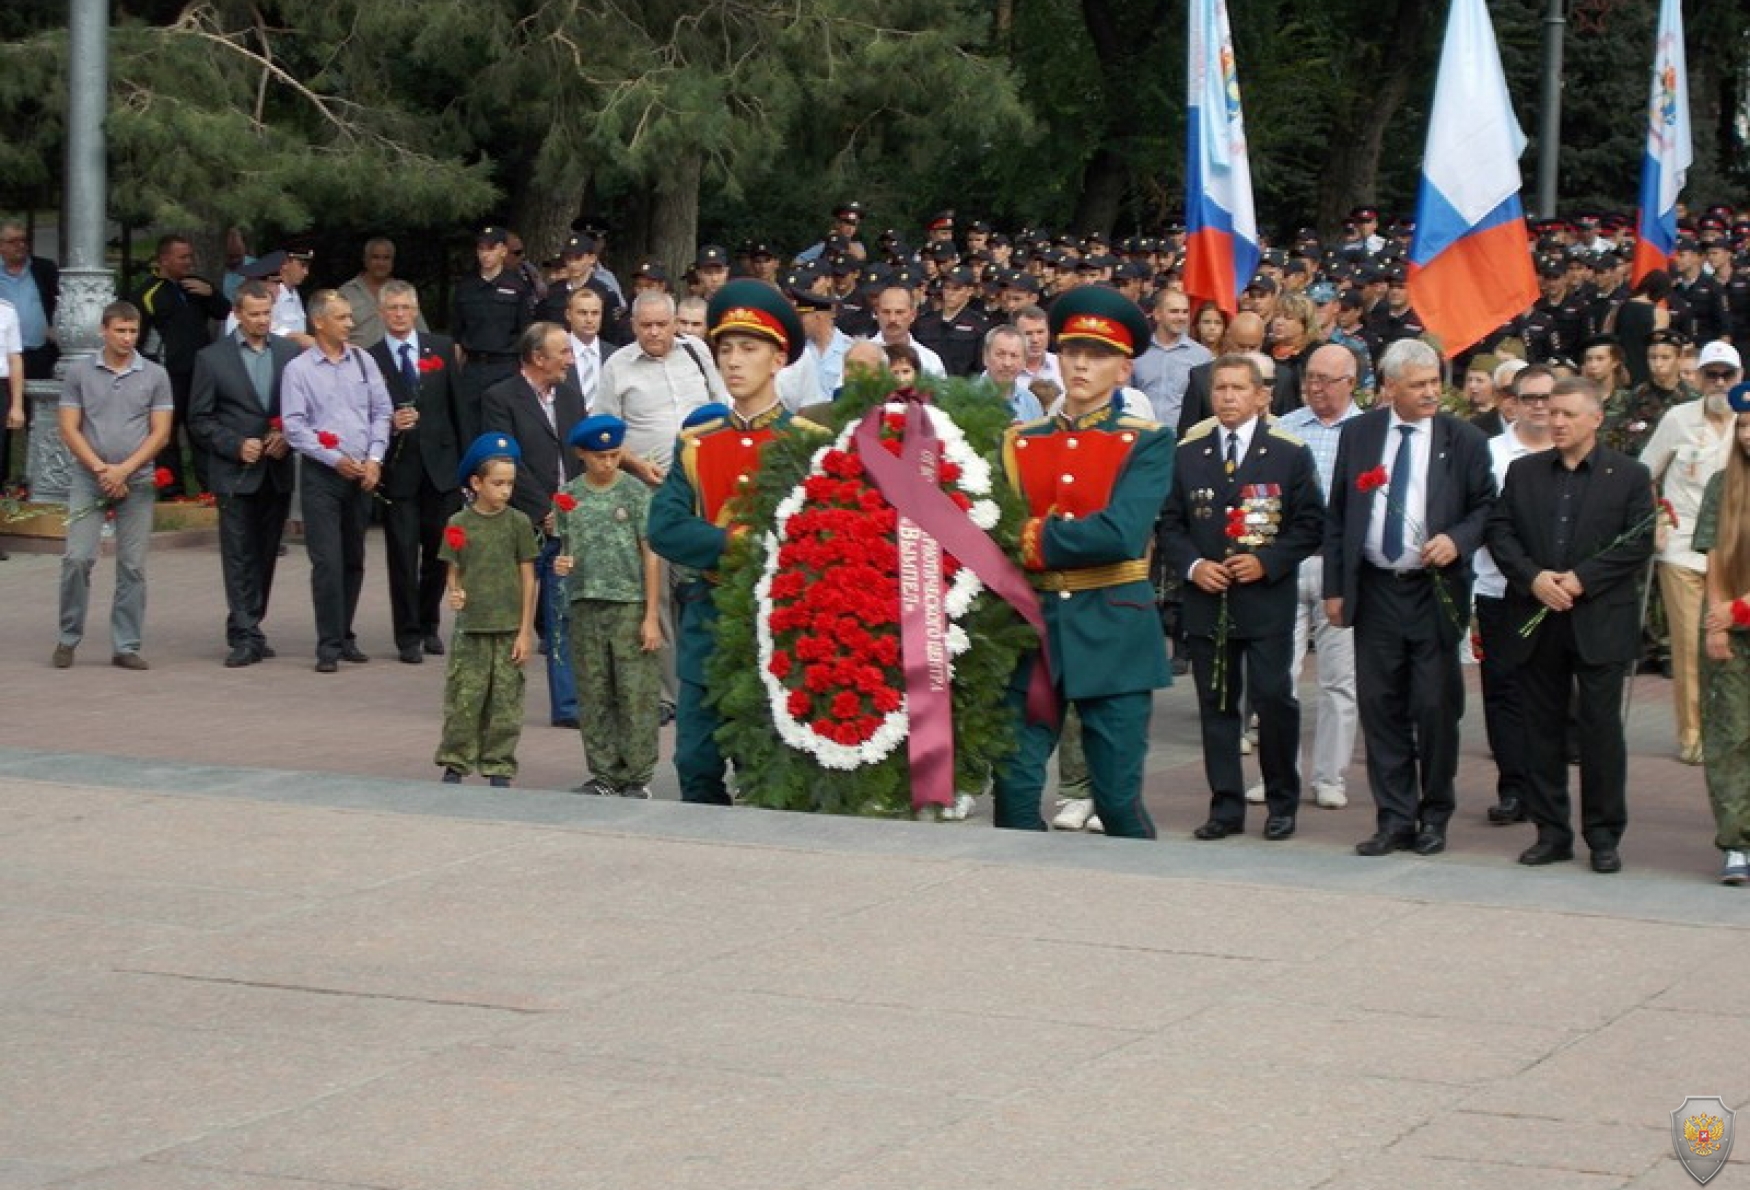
column 1725, row 742
column 619, row 689
column 483, row 705
column 1072, row 762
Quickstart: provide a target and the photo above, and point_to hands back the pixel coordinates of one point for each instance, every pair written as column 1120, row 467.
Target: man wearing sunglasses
column 1690, row 445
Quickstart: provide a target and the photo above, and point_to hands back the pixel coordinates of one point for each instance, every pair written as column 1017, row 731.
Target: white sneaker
column 961, row 810
column 1255, row 793
column 1736, row 869
column 1330, row 797
column 1095, row 826
column 1073, row 813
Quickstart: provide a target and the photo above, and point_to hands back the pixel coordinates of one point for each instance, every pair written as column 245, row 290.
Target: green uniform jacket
column 1109, row 640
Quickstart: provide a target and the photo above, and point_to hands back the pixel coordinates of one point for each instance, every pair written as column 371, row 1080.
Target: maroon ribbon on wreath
column 929, row 523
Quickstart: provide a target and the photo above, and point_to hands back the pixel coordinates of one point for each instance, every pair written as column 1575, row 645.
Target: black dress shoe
column 1429, row 842
column 1540, row 853
column 434, row 645
column 1278, row 827
column 1508, row 811
column 1606, row 860
column 239, row 656
column 353, row 654
column 264, row 652
column 1217, row 829
column 1384, row 843
column 411, row 655
column 326, row 665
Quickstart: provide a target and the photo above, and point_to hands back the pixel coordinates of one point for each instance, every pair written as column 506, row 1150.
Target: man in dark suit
column 233, row 415
column 419, row 474
column 1572, row 532
column 1244, row 334
column 1409, row 500
column 538, row 409
column 1244, row 512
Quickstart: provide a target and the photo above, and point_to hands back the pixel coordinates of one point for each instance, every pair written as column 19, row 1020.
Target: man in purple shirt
column 336, row 411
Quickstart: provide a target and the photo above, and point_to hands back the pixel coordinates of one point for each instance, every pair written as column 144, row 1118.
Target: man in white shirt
column 896, row 308
column 652, row 384
column 1690, row 444
column 1041, row 362
column 583, row 317
column 1503, row 712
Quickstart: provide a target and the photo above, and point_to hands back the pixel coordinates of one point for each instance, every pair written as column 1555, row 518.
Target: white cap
column 1720, row 353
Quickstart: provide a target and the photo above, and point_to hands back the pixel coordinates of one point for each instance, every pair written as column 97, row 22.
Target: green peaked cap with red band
column 1096, row 314
column 749, row 307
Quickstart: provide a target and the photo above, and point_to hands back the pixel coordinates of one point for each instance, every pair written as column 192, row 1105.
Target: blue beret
column 601, row 432
column 1740, row 398
column 705, row 413
column 487, row 446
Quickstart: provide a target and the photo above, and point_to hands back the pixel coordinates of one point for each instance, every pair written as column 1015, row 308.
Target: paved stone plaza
column 251, row 944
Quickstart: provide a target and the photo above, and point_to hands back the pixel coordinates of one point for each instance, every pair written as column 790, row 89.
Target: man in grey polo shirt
column 116, row 411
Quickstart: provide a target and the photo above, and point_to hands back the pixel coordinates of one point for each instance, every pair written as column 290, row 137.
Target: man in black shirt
column 178, row 309
column 493, row 308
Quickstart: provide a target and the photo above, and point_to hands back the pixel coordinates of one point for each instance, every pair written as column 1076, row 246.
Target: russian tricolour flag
column 1669, row 152
column 1221, row 243
column 1470, row 270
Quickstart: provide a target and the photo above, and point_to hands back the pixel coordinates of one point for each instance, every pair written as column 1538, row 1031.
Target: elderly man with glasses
column 1689, row 446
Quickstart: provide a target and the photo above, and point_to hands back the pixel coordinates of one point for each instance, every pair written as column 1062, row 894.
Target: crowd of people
column 1305, row 474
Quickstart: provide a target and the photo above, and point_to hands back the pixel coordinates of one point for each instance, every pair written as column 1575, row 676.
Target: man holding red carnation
column 116, row 413
column 1094, row 481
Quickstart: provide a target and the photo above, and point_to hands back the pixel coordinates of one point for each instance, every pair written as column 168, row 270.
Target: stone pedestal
column 84, row 294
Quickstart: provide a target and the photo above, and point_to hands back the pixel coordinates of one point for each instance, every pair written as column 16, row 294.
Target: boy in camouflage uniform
column 490, row 548
column 615, row 603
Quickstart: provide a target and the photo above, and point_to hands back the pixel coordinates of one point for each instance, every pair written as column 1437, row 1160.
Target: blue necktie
column 409, row 373
column 1391, row 542
column 1231, row 464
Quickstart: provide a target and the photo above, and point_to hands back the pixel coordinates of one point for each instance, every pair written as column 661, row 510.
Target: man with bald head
column 1245, row 335
column 1328, row 385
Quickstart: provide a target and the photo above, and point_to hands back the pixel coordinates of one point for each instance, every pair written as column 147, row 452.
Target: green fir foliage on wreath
column 770, row 772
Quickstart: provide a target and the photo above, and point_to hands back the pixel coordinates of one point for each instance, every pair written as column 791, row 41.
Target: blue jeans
column 553, row 621
column 133, row 531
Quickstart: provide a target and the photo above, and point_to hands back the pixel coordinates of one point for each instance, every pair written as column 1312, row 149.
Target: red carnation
column 886, row 700
column 779, row 666
column 1367, row 481
column 328, row 439
column 894, row 421
column 846, row 705
column 892, row 445
column 565, row 502
column 799, row 704
column 430, row 363
column 456, row 538
column 1741, row 613
column 275, row 424
column 1669, row 511
column 163, row 477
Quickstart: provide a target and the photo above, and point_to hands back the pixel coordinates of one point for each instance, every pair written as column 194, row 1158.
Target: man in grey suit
column 234, row 416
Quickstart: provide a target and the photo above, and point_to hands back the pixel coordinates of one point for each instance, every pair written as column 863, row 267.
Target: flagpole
column 1549, row 132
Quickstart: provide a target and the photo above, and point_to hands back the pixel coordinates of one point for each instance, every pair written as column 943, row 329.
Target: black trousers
column 413, row 532
column 250, row 528
column 1410, row 695
column 1553, row 672
column 1503, row 703
column 335, row 513
column 1259, row 677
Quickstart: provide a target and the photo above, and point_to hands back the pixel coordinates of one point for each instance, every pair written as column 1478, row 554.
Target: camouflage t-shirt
column 603, row 535
column 491, row 557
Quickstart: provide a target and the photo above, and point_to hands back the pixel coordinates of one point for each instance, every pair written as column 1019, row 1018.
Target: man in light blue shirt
column 1005, row 351
column 1165, row 368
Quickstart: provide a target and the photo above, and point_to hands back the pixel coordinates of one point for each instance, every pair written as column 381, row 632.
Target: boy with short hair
column 490, row 548
column 615, row 599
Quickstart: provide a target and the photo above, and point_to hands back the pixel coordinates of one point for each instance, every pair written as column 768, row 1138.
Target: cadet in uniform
column 1093, row 480
column 755, row 333
column 493, row 308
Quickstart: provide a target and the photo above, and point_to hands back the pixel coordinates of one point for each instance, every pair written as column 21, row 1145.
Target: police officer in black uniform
column 1703, row 313
column 493, row 308
column 956, row 331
